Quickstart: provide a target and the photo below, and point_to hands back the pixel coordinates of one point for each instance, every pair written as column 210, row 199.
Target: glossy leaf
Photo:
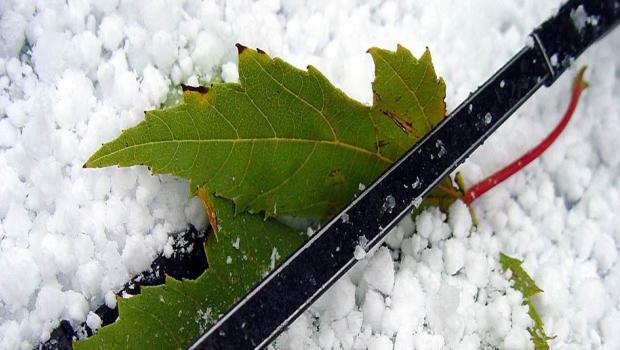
column 286, row 141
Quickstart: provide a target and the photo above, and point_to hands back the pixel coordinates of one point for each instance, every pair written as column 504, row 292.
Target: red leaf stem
column 493, row 180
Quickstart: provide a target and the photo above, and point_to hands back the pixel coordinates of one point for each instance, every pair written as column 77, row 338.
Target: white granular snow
column 73, row 74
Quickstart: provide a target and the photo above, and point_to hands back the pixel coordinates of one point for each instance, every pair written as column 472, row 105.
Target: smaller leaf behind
column 526, row 285
column 171, row 315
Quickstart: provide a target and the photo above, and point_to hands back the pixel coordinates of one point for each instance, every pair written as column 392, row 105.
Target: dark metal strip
column 576, row 26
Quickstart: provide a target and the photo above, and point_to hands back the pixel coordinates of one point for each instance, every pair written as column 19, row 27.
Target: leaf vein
column 275, row 134
column 225, row 161
column 188, row 296
column 199, row 145
column 153, row 316
column 269, row 139
column 413, row 93
column 225, row 119
column 298, row 97
column 247, row 166
column 171, row 158
column 163, row 122
column 417, row 88
column 285, row 181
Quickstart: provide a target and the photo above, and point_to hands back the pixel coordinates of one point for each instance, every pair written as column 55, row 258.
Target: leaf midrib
column 235, row 141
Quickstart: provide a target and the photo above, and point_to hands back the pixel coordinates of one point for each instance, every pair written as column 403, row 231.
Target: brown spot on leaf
column 260, row 51
column 335, row 178
column 382, row 143
column 240, row 48
column 208, row 205
column 404, row 125
column 198, row 89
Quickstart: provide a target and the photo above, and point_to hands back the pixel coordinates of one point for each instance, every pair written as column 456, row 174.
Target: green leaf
column 282, row 141
column 526, row 285
column 171, row 315
column 285, row 141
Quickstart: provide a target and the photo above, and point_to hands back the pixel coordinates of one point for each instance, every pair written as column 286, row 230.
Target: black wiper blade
column 290, row 289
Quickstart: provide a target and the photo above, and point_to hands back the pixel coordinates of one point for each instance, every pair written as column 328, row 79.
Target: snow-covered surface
column 73, row 74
